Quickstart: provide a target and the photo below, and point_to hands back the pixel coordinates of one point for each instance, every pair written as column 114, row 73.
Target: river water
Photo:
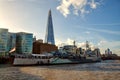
column 105, row 70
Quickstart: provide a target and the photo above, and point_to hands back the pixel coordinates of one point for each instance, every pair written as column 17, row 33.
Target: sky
column 96, row 21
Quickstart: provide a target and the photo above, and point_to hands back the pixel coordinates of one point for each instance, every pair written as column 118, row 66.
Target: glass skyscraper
column 19, row 42
column 11, row 41
column 49, row 37
column 3, row 41
column 24, row 43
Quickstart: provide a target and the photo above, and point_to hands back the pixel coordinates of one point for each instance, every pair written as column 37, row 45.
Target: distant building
column 3, row 41
column 40, row 40
column 24, row 43
column 70, row 48
column 39, row 48
column 108, row 52
column 34, row 39
column 49, row 37
column 97, row 52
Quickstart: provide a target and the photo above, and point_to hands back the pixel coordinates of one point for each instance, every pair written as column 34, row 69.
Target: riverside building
column 24, row 43
column 11, row 41
column 20, row 43
column 3, row 41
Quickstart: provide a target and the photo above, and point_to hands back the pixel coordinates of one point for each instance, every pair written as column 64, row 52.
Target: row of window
column 35, row 57
column 2, row 49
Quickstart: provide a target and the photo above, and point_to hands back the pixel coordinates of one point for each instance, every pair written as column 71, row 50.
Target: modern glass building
column 3, row 41
column 49, row 37
column 24, row 43
column 11, row 41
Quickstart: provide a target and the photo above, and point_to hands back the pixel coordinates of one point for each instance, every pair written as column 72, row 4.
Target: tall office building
column 24, row 43
column 11, row 41
column 49, row 37
column 3, row 41
column 108, row 52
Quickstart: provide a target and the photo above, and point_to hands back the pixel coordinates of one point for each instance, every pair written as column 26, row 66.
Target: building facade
column 108, row 52
column 40, row 48
column 3, row 41
column 49, row 37
column 11, row 41
column 24, row 43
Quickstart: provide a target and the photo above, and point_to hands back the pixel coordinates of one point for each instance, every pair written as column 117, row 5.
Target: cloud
column 87, row 32
column 105, row 31
column 17, row 0
column 94, row 4
column 60, row 43
column 110, row 24
column 70, row 41
column 99, row 30
column 8, row 0
column 78, row 6
column 102, row 42
column 12, row 28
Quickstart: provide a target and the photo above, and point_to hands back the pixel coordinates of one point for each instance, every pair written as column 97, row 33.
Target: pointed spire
column 49, row 37
column 50, row 11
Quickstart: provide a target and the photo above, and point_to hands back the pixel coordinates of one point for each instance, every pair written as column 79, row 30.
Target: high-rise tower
column 49, row 37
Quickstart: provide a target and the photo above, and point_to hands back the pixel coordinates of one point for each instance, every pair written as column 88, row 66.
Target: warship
column 68, row 54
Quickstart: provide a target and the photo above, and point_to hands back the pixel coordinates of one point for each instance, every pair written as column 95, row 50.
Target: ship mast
column 87, row 45
column 74, row 43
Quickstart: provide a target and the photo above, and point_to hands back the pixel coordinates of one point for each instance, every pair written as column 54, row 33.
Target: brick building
column 39, row 48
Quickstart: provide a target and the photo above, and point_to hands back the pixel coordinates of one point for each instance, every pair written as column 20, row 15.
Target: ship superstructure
column 66, row 54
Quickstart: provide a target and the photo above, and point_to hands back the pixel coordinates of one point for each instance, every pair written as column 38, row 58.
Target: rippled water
column 109, row 65
column 105, row 70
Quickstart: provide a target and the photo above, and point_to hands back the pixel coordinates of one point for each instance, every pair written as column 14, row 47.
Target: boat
column 67, row 54
column 43, row 59
column 33, row 59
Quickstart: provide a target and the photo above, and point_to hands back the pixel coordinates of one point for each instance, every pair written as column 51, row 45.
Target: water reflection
column 100, row 66
column 105, row 70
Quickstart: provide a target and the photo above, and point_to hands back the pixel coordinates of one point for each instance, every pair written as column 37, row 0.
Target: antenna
column 74, row 42
column 87, row 45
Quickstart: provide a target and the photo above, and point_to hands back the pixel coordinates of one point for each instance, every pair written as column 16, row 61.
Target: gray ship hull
column 52, row 61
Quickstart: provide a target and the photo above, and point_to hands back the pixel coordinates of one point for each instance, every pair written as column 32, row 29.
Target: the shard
column 49, row 37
